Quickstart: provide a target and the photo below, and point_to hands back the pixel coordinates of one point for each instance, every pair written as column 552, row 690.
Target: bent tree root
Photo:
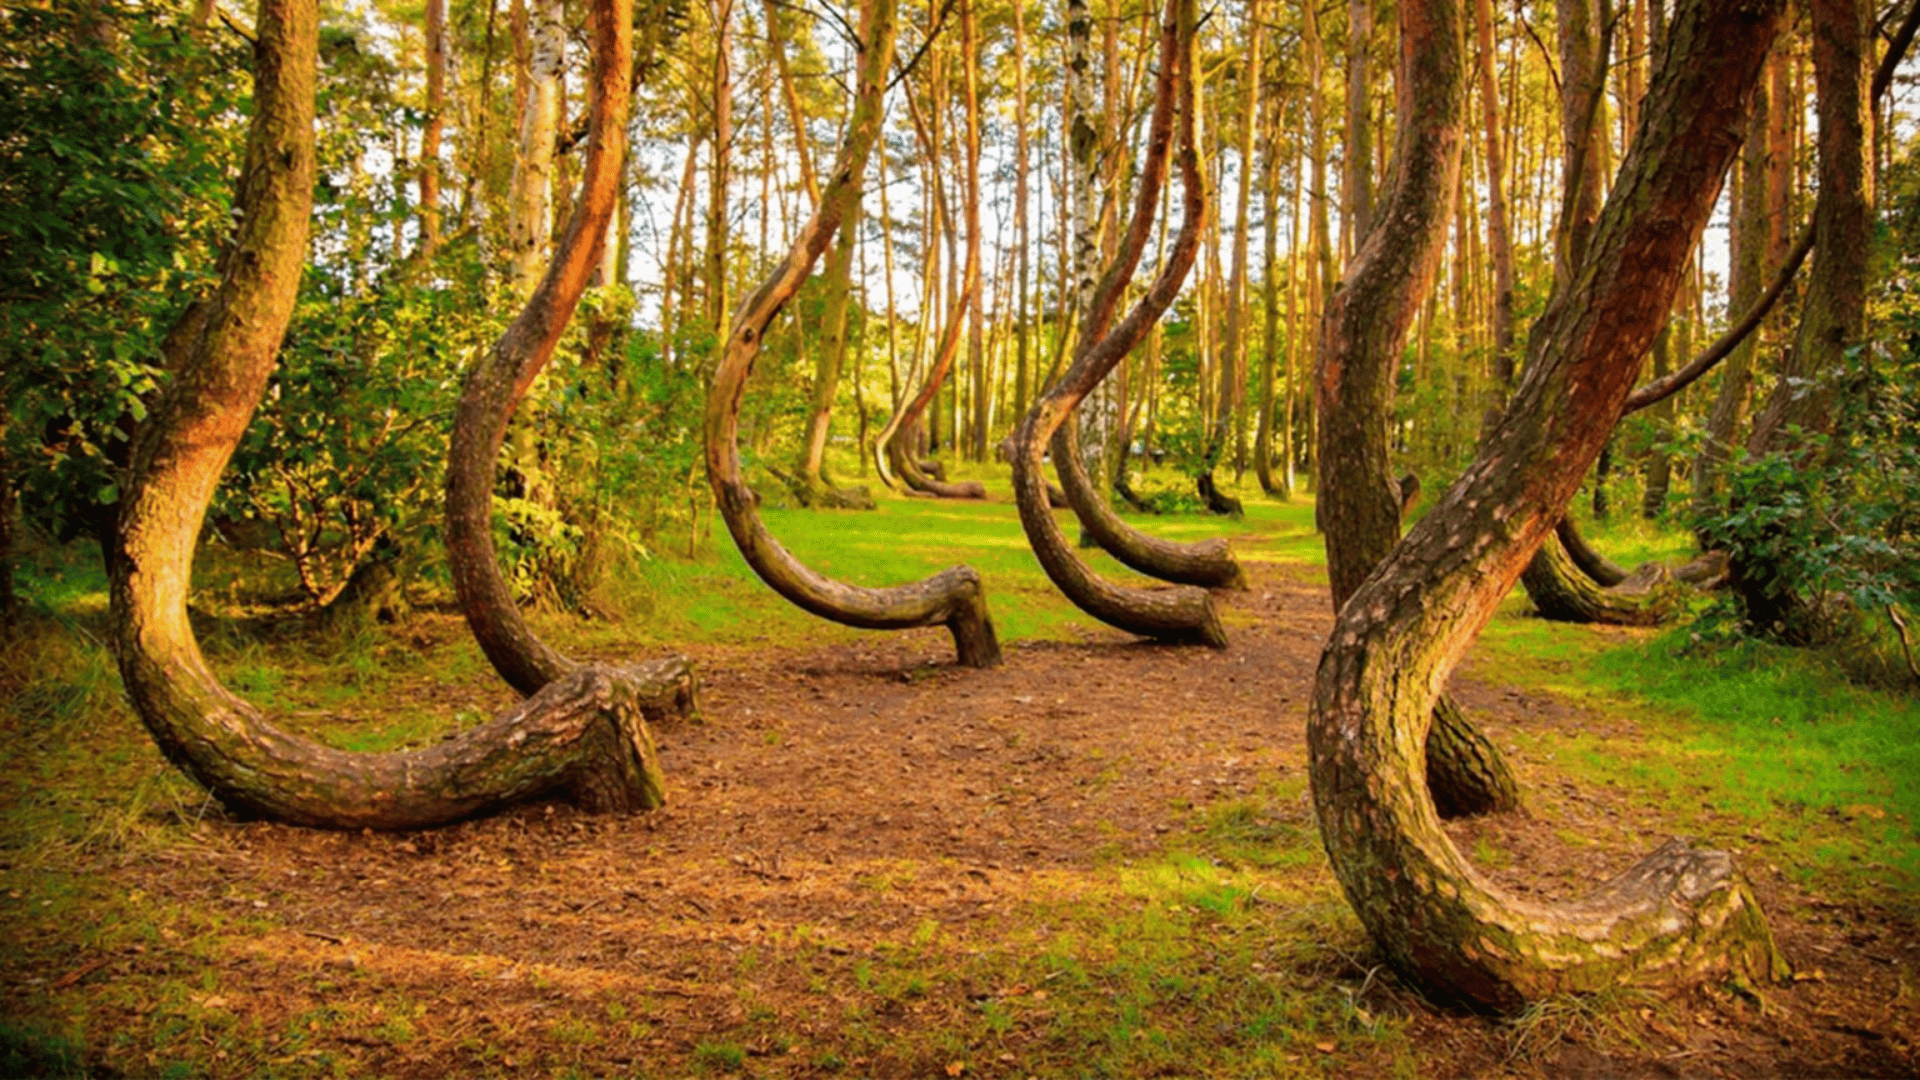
column 1562, row 592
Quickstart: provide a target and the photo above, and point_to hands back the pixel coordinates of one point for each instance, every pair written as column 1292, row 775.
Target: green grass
column 1228, row 951
column 1750, row 744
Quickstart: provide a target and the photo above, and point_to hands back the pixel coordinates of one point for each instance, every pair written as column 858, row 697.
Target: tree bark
column 1183, row 614
column 530, row 213
column 1499, row 239
column 954, row 598
column 430, row 131
column 719, row 174
column 1681, row 914
column 1366, row 321
column 584, row 736
column 495, row 385
column 1833, row 318
column 1230, row 396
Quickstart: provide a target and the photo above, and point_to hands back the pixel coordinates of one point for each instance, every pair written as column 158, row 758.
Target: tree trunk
column 719, row 174
column 495, row 385
column 584, row 736
column 430, row 131
column 955, row 597
column 1499, row 239
column 1366, row 321
column 1681, row 914
column 1230, row 398
column 1833, row 319
column 1023, row 362
column 530, row 213
column 1356, row 170
column 976, row 351
column 1182, row 614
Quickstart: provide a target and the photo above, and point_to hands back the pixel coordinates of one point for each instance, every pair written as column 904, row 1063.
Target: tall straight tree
column 530, row 212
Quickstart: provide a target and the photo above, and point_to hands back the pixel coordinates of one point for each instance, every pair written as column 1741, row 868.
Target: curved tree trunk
column 584, row 735
column 1680, row 914
column 1604, row 571
column 955, row 597
column 495, row 385
column 1365, row 324
column 1207, row 563
column 1181, row 614
column 1563, row 592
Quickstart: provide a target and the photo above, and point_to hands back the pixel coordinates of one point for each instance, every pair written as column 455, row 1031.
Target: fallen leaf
column 1325, row 1048
column 955, row 1068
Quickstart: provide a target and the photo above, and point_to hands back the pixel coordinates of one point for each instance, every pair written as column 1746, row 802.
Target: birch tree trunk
column 530, row 209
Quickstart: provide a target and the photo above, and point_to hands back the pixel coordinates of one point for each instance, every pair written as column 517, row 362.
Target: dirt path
column 851, row 813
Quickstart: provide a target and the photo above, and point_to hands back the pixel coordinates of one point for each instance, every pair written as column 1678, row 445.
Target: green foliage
column 118, row 132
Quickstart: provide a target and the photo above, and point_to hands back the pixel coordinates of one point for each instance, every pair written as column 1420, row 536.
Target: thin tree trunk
column 954, row 598
column 720, row 167
column 530, row 211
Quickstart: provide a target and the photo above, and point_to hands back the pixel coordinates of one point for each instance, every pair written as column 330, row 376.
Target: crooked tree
column 1183, row 613
column 1358, row 361
column 1681, row 913
column 955, row 597
column 583, row 735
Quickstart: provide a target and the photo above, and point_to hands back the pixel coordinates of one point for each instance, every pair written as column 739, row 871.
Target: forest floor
column 1096, row 860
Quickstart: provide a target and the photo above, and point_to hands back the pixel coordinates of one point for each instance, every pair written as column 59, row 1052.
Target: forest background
column 451, row 140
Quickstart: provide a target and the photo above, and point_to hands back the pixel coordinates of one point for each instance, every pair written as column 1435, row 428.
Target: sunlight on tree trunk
column 584, row 735
column 1682, row 914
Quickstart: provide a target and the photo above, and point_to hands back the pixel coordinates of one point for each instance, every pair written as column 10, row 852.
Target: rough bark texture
column 1366, row 321
column 1833, row 318
column 495, row 385
column 584, row 736
column 1563, row 592
column 1182, row 614
column 1682, row 913
column 955, row 597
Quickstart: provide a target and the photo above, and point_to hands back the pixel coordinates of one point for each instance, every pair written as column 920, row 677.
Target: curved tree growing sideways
column 1681, row 913
column 583, row 735
column 955, row 597
column 1358, row 361
column 1183, row 613
column 1207, row 563
column 496, row 383
column 895, row 442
